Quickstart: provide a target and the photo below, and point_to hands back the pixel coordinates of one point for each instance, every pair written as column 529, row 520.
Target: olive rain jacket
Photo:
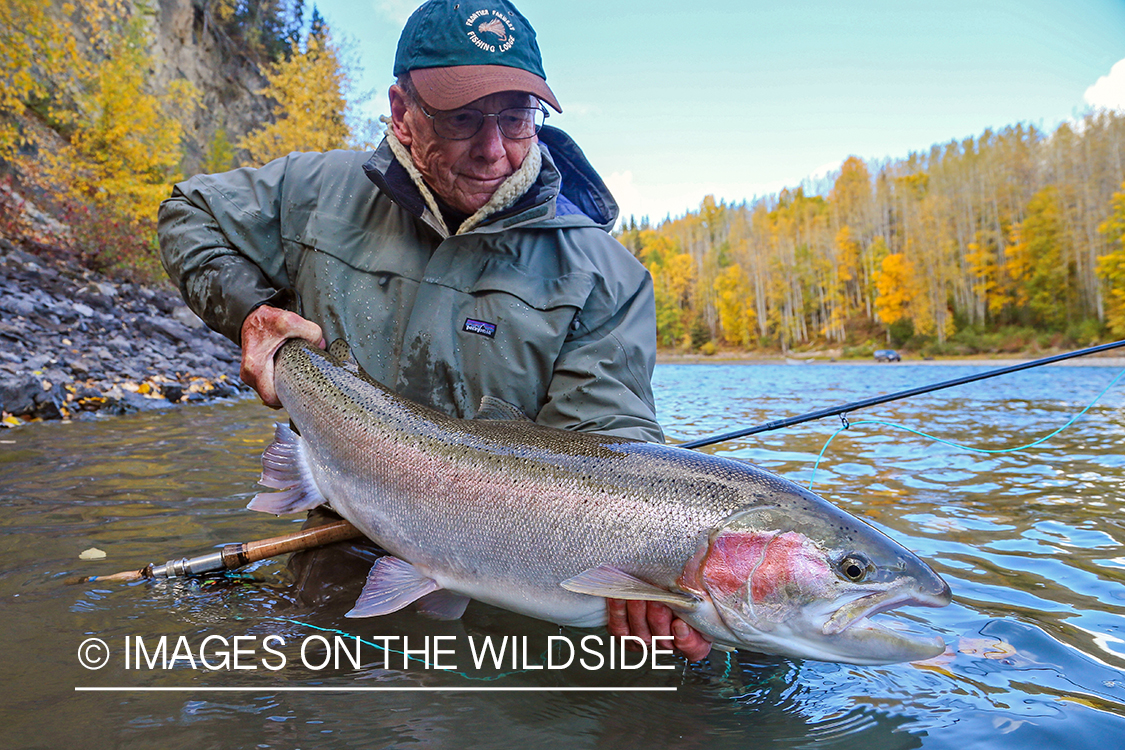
column 538, row 305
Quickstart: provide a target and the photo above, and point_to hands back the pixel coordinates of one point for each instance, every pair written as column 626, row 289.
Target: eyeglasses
column 516, row 123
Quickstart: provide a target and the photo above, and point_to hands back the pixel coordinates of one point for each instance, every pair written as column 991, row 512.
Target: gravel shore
column 74, row 343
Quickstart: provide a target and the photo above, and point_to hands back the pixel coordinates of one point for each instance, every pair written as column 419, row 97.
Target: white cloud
column 1109, row 91
column 624, row 191
column 825, row 170
column 397, row 10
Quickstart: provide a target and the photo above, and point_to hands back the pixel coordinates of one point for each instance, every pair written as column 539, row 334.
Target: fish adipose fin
column 495, row 408
column 612, row 583
column 284, row 468
column 443, row 605
column 391, row 585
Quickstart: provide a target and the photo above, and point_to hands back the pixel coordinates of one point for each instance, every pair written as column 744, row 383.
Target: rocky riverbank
column 74, row 343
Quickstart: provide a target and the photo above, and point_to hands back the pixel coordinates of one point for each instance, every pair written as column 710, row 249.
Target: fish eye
column 855, row 567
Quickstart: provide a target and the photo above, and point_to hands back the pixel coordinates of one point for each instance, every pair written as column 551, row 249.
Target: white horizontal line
column 388, row 689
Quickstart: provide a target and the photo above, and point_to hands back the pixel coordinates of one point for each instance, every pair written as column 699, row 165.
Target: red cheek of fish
column 772, row 566
column 731, row 561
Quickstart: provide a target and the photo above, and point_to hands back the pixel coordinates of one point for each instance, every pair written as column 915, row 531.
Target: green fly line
column 847, row 425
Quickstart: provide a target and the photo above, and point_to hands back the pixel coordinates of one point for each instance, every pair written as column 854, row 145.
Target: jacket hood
column 568, row 191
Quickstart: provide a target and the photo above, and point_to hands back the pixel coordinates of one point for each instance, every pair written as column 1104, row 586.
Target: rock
column 83, row 335
column 38, row 362
column 51, row 409
column 18, row 393
column 82, row 367
column 104, row 288
column 131, row 403
column 174, row 392
column 22, row 306
column 174, row 331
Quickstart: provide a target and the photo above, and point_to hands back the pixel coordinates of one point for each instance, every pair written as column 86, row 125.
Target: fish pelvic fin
column 391, row 585
column 285, row 467
column 443, row 605
column 612, row 583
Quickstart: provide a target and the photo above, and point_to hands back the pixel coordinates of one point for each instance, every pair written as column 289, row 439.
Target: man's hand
column 263, row 332
column 646, row 619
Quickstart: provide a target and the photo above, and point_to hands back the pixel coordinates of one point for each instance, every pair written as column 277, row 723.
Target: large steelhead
column 549, row 522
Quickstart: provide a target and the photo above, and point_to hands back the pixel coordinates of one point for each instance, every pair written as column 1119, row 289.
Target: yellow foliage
column 847, row 258
column 897, row 288
column 39, row 62
column 852, row 190
column 737, row 317
column 679, row 272
column 985, row 271
column 125, row 150
column 1111, row 266
column 308, row 89
column 122, row 142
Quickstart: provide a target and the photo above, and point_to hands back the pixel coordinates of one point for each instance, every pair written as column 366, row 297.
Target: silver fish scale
column 518, row 505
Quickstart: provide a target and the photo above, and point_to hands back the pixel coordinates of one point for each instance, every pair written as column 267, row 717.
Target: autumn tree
column 737, row 317
column 124, row 149
column 1111, row 266
column 41, row 67
column 898, row 289
column 81, row 124
column 1037, row 261
column 965, row 237
column 310, row 111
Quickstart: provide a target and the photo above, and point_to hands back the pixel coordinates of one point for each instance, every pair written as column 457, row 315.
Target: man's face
column 465, row 173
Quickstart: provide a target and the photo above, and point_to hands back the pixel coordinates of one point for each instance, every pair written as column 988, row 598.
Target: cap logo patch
column 491, row 22
column 493, row 27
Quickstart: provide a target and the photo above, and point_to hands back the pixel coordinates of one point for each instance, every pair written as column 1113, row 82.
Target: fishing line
column 846, row 425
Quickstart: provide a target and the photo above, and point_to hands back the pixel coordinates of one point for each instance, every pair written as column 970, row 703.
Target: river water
column 1031, row 542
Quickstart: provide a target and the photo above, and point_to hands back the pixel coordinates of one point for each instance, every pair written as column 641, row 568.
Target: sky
column 673, row 101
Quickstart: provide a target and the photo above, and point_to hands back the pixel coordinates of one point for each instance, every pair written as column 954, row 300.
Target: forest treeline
column 87, row 134
column 1013, row 239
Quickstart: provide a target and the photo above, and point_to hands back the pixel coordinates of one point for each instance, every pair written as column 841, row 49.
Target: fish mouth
column 878, row 643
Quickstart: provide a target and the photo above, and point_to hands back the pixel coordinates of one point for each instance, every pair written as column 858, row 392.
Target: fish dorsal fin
column 613, row 583
column 339, row 349
column 495, row 408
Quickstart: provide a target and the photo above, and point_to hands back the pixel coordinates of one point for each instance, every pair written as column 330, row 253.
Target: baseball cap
column 460, row 50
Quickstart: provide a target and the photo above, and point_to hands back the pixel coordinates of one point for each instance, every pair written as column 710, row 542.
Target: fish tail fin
column 285, row 467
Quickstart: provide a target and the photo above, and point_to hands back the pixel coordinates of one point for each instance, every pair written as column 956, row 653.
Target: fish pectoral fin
column 496, row 408
column 612, row 583
column 284, row 467
column 443, row 605
column 391, row 585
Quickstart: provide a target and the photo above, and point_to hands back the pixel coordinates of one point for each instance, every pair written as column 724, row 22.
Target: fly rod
column 234, row 556
column 844, row 409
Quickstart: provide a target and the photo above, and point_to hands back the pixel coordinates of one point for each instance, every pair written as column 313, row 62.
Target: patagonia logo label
column 483, row 327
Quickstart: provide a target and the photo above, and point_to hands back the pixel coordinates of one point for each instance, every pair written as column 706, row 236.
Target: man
column 468, row 256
